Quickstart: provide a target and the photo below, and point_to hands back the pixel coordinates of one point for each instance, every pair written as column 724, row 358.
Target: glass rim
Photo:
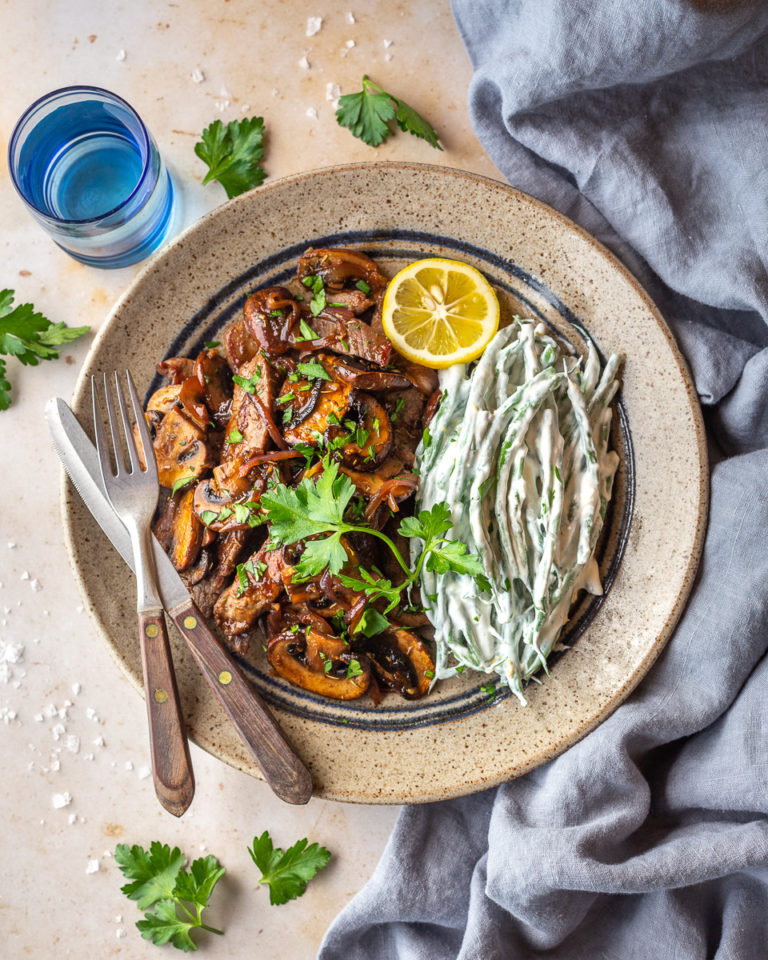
column 79, row 88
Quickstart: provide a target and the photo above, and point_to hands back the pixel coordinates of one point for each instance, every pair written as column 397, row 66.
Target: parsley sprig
column 232, row 154
column 178, row 896
column 287, row 872
column 314, row 512
column 368, row 114
column 29, row 336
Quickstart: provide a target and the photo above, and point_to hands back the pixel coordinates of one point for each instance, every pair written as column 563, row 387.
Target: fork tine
column 98, row 428
column 116, row 445
column 130, row 443
column 147, row 450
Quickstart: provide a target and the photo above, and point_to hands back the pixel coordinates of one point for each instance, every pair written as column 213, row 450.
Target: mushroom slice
column 192, row 402
column 239, row 345
column 328, row 404
column 401, row 661
column 337, row 266
column 164, row 399
column 308, row 655
column 177, row 369
column 187, row 533
column 212, row 373
column 368, row 430
column 180, row 449
column 362, row 374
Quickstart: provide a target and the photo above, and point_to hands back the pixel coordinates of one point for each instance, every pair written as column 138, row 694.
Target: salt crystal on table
column 304, row 63
column 350, row 17
column 63, row 713
column 36, row 585
column 144, row 772
column 120, row 933
column 45, row 614
column 82, row 819
column 58, row 730
column 76, row 688
column 93, row 866
column 332, row 91
column 8, row 714
column 91, row 714
column 128, row 765
column 11, row 545
column 107, row 853
column 25, row 575
column 61, row 800
column 120, row 56
column 387, row 57
column 72, row 819
column 119, row 918
column 87, row 756
column 311, row 112
column 13, row 652
column 50, row 711
column 197, row 76
column 99, row 741
column 79, row 608
column 388, row 43
column 73, row 743
column 5, row 674
column 349, row 44
column 55, row 766
column 68, row 703
column 313, row 25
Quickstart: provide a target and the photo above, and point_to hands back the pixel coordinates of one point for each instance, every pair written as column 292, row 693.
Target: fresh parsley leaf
column 232, row 154
column 314, row 370
column 453, row 555
column 208, row 517
column 235, row 436
column 287, row 872
column 243, row 581
column 312, row 507
column 242, row 512
column 371, row 623
column 318, row 302
column 374, row 589
column 368, row 114
column 489, row 689
column 429, row 525
column 307, row 333
column 28, row 336
column 211, row 344
column 354, row 669
column 180, row 483
column 248, row 383
column 399, row 404
column 153, row 872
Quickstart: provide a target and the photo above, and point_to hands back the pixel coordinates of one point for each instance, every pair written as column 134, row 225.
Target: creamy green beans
column 519, row 449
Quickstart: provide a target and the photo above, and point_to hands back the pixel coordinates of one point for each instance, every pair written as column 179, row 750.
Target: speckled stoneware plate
column 455, row 741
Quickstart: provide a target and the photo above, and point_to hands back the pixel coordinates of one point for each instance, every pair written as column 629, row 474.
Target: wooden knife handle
column 171, row 765
column 283, row 770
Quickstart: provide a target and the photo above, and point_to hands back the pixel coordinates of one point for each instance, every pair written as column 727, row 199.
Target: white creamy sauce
column 519, row 450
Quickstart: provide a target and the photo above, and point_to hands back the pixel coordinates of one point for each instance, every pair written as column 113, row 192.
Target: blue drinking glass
column 91, row 175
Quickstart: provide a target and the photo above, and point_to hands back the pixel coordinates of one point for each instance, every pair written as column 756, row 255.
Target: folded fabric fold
column 648, row 125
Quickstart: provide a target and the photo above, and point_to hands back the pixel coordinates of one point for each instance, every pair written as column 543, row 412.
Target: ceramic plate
column 455, row 741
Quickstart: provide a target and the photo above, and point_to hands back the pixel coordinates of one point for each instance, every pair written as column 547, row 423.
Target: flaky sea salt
column 313, row 25
column 144, row 772
column 36, row 585
column 6, row 673
column 12, row 652
column 128, row 765
column 93, row 866
column 72, row 820
column 98, row 742
column 311, row 112
column 197, row 75
column 350, row 17
column 7, row 714
column 25, row 575
column 349, row 44
column 87, row 756
column 120, row 56
column 76, row 688
column 332, row 91
column 304, row 63
column 61, row 800
column 388, row 43
column 120, row 933
column 91, row 714
column 11, row 545
column 72, row 743
column 387, row 57
column 58, row 730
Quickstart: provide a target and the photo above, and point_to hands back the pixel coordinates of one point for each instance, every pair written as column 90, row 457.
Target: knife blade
column 283, row 770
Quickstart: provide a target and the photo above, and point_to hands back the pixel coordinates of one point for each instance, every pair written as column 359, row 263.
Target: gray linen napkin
column 647, row 122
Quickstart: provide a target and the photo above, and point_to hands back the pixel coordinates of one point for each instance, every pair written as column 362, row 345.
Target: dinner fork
column 133, row 494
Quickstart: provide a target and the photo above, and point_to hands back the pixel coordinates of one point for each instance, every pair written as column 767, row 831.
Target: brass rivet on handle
column 161, row 695
column 152, row 630
column 225, row 677
column 190, row 622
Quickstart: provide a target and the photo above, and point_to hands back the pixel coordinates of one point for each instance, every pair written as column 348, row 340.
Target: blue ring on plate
column 220, row 309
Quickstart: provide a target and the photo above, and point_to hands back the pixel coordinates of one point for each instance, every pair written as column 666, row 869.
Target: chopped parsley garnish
column 208, row 517
column 307, row 333
column 395, row 415
column 313, row 370
column 235, row 436
column 248, row 383
column 180, row 483
column 211, row 344
column 362, row 285
column 354, row 669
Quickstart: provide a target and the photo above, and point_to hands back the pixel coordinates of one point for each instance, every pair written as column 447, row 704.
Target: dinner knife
column 283, row 770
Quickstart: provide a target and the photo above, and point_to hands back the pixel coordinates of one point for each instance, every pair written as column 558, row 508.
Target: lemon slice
column 439, row 312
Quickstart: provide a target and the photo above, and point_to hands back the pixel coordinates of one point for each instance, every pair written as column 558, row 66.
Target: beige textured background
column 249, row 54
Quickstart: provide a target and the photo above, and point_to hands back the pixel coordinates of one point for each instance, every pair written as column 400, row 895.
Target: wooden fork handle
column 283, row 770
column 171, row 765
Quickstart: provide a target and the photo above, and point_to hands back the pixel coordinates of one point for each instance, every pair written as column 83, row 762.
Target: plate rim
column 663, row 635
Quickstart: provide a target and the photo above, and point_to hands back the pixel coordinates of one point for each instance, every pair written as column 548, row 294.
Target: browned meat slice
column 406, row 409
column 252, row 406
column 230, row 547
column 239, row 345
column 237, row 609
column 342, row 335
column 213, row 375
column 362, row 374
